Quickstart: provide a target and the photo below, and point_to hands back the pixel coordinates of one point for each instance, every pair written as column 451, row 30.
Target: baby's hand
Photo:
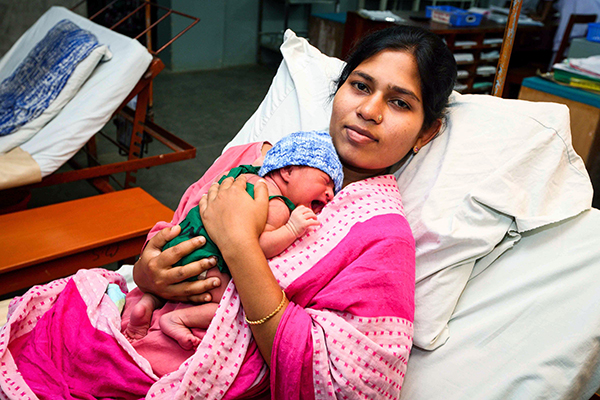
column 301, row 219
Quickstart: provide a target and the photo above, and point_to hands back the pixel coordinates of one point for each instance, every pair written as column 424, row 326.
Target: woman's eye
column 360, row 86
column 401, row 104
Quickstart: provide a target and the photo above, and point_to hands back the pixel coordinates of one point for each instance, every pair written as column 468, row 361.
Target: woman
column 389, row 103
column 343, row 324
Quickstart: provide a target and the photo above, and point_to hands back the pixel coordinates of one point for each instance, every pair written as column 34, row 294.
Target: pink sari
column 347, row 331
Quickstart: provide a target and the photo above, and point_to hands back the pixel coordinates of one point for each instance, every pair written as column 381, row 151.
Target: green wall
column 225, row 35
column 227, row 32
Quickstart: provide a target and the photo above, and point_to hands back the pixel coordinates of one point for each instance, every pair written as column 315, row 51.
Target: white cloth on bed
column 46, row 80
column 94, row 103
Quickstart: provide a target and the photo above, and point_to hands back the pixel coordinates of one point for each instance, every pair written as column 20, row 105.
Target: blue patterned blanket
column 42, row 75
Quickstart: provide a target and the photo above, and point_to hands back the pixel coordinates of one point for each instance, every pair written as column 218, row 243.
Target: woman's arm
column 234, row 220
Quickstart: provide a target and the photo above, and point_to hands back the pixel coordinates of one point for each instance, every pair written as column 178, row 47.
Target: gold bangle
column 268, row 317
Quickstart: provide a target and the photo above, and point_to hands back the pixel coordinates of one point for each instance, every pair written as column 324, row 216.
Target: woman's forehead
column 397, row 69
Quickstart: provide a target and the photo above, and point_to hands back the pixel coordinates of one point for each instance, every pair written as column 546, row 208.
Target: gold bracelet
column 268, row 317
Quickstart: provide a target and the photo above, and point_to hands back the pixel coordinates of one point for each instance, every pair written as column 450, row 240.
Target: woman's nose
column 370, row 109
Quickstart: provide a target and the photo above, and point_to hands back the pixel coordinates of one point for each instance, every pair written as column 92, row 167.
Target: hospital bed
column 507, row 295
column 508, row 254
column 125, row 73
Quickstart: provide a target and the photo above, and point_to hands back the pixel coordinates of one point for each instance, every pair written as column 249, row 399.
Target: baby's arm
column 282, row 229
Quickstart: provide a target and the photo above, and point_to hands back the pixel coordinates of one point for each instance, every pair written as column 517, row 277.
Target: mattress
column 526, row 327
column 96, row 101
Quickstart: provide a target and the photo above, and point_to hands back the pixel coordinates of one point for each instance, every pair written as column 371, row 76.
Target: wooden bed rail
column 55, row 241
column 507, row 44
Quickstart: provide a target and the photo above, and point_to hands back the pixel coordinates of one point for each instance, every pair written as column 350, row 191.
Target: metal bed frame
column 98, row 174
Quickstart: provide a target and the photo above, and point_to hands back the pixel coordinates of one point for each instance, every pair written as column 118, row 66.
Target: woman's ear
column 428, row 134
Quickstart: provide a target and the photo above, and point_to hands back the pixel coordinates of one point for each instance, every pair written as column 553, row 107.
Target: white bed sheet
column 526, row 327
column 97, row 99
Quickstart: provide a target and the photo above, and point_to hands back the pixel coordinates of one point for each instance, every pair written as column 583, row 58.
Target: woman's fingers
column 196, row 291
column 154, row 272
column 159, row 240
column 227, row 183
column 173, row 254
column 215, row 188
column 212, row 192
column 229, row 213
column 148, row 270
column 261, row 192
column 180, row 274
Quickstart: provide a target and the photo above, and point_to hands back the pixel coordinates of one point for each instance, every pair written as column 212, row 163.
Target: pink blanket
column 347, row 331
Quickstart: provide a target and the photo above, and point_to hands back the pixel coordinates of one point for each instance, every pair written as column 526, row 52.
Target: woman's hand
column 153, row 272
column 231, row 216
column 234, row 221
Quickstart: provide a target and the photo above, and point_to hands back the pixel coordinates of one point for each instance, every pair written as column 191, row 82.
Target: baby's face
column 309, row 187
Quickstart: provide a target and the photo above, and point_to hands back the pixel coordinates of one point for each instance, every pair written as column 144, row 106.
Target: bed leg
column 135, row 147
column 92, row 152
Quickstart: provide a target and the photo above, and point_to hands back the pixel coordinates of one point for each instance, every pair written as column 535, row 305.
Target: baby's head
column 307, row 167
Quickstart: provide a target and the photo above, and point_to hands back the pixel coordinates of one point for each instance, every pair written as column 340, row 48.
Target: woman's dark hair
column 437, row 67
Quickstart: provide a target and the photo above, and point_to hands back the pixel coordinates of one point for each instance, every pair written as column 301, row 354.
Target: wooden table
column 46, row 243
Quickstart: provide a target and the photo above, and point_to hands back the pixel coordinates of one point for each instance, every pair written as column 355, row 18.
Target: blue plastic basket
column 453, row 16
column 593, row 33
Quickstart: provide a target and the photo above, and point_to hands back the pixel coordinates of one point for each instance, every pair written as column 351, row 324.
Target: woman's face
column 378, row 113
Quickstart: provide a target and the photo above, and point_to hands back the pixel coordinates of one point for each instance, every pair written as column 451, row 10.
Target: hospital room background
column 216, row 76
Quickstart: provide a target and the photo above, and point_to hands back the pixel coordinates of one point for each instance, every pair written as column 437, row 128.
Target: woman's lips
column 358, row 135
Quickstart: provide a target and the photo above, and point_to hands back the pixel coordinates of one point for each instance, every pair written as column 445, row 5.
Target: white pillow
column 78, row 77
column 499, row 167
column 299, row 97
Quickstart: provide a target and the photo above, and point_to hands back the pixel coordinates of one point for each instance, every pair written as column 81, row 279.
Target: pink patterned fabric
column 346, row 334
column 47, row 323
column 350, row 329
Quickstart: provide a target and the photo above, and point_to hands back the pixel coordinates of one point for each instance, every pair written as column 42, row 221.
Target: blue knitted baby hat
column 312, row 149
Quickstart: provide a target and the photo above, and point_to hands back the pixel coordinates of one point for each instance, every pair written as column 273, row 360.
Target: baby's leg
column 177, row 323
column 141, row 316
